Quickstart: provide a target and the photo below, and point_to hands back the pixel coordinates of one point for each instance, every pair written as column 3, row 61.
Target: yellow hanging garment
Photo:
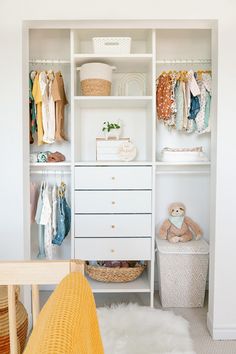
column 36, row 92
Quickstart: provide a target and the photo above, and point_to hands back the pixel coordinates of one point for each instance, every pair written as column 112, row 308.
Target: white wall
column 222, row 311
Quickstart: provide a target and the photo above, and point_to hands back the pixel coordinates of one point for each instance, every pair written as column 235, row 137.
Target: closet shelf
column 182, row 172
column 49, row 172
column 184, row 61
column 183, row 168
column 113, row 163
column 140, row 285
column 124, row 63
column 111, row 101
column 141, row 56
column 199, row 163
column 50, row 164
column 49, row 61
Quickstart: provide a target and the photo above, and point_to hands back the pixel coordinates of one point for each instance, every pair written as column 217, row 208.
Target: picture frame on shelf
column 108, row 149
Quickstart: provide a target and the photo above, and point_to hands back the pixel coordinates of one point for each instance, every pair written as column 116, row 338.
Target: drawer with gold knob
column 129, row 225
column 113, row 177
column 109, row 202
column 113, row 248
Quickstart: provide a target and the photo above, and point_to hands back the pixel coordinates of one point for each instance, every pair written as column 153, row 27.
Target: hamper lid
column 190, row 247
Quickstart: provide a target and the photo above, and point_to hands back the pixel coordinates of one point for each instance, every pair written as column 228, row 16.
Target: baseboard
column 209, row 324
column 221, row 333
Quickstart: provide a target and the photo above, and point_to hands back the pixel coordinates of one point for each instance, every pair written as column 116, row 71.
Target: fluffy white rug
column 133, row 329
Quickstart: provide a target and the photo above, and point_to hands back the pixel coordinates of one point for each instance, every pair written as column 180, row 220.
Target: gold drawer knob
column 112, row 226
column 113, row 202
column 112, row 251
column 113, row 178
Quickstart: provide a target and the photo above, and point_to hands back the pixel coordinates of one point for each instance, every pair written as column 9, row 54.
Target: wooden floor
column 203, row 342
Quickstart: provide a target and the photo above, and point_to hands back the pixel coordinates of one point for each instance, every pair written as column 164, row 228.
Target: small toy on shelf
column 178, row 227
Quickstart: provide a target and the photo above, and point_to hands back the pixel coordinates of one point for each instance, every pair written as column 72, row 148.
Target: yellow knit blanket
column 68, row 321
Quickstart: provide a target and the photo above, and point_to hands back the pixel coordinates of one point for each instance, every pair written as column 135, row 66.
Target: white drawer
column 113, row 225
column 113, row 248
column 131, row 177
column 108, row 202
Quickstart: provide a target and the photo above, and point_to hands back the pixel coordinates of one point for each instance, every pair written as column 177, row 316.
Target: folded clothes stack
column 46, row 156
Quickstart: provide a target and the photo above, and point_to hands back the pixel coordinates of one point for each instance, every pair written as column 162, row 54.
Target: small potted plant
column 111, row 130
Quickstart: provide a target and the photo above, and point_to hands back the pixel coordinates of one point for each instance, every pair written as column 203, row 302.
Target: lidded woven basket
column 21, row 322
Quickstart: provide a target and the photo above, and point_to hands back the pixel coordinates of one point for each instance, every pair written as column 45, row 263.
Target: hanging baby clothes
column 171, row 121
column 36, row 92
column 164, row 98
column 43, row 219
column 193, row 104
column 179, row 105
column 173, row 108
column 54, row 210
column 202, row 119
column 59, row 96
column 183, row 102
column 32, row 107
column 185, row 105
column 33, row 200
column 48, row 107
column 207, row 113
column 48, row 230
column 63, row 217
column 38, row 220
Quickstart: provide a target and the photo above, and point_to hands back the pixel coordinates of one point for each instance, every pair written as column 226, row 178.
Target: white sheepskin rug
column 133, row 329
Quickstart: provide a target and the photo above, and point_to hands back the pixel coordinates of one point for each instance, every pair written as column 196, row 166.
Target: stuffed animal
column 178, row 227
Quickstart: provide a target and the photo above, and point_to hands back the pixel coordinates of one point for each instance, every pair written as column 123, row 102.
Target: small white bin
column 183, row 269
column 111, row 45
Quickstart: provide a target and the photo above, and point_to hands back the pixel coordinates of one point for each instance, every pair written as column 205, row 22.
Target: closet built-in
column 118, row 207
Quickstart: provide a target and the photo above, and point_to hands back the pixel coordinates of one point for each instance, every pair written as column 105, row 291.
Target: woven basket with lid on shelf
column 21, row 322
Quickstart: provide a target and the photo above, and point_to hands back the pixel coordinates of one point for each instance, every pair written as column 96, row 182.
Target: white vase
column 113, row 133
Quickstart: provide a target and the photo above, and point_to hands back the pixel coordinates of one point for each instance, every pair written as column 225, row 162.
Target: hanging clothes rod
column 184, row 61
column 46, row 172
column 48, row 61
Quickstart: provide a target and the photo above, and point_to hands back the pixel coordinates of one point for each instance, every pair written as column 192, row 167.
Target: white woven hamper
column 183, row 269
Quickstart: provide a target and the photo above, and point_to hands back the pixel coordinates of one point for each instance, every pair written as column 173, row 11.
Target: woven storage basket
column 183, row 269
column 96, row 87
column 114, row 275
column 21, row 322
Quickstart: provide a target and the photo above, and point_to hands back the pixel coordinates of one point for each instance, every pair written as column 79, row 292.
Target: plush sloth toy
column 178, row 227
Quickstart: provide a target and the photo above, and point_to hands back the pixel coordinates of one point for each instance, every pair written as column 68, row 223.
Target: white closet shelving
column 67, row 49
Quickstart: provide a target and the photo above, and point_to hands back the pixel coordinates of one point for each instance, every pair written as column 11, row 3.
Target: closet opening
column 118, row 206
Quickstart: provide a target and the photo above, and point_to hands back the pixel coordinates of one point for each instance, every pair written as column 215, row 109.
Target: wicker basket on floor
column 21, row 322
column 114, row 275
column 96, row 87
